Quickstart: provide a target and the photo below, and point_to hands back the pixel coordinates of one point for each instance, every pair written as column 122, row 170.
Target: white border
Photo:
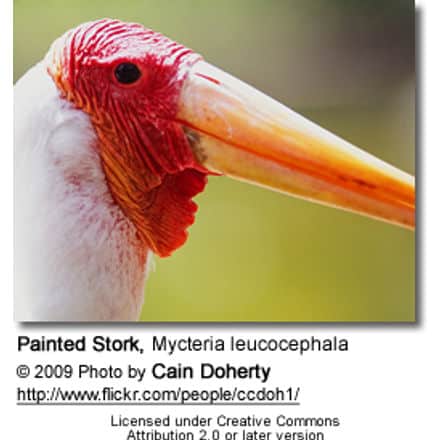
column 394, row 370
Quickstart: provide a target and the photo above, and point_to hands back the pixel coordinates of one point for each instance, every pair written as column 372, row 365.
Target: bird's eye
column 127, row 73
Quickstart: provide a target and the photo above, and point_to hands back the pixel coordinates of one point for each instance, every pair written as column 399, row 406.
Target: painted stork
column 117, row 129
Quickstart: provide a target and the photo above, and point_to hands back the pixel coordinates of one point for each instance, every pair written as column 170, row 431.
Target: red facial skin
column 146, row 157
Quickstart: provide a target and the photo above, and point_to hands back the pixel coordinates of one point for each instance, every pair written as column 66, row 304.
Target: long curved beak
column 240, row 132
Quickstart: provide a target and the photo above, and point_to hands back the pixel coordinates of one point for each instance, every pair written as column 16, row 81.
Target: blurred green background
column 254, row 255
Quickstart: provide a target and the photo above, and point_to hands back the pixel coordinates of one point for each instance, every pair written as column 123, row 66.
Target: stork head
column 129, row 79
column 165, row 119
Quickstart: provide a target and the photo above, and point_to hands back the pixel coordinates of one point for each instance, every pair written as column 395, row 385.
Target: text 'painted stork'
column 117, row 129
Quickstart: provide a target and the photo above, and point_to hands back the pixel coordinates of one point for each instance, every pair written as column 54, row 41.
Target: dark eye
column 127, row 73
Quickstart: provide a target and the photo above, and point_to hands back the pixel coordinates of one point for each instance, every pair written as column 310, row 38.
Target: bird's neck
column 77, row 256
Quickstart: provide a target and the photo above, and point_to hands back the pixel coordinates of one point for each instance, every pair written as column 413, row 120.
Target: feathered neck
column 77, row 255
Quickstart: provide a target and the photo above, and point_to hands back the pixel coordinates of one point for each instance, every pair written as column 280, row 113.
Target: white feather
column 75, row 251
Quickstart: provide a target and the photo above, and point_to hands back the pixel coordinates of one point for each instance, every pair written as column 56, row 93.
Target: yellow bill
column 242, row 133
